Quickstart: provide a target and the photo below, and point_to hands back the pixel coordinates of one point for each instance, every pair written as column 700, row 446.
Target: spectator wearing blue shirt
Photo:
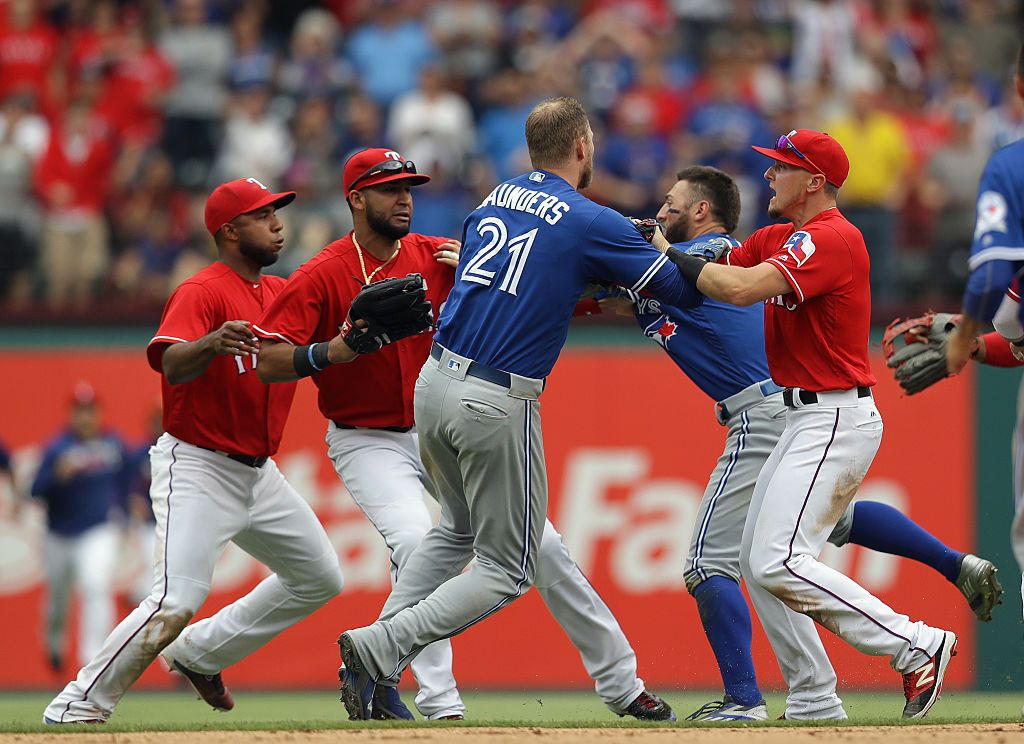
column 389, row 52
column 80, row 480
column 501, row 124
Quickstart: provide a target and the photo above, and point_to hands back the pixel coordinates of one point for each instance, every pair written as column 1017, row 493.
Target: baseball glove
column 391, row 309
column 921, row 361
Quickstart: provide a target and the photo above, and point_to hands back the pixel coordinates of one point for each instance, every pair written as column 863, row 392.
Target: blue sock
column 888, row 530
column 726, row 620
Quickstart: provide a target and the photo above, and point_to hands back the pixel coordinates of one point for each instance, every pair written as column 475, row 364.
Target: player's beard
column 679, row 230
column 587, row 174
column 774, row 210
column 262, row 256
column 380, row 224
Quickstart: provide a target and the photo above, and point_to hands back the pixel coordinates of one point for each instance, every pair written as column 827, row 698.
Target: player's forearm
column 186, row 361
column 735, row 285
column 275, row 362
column 738, row 285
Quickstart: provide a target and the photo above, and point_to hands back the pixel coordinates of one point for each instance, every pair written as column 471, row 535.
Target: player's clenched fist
column 235, row 337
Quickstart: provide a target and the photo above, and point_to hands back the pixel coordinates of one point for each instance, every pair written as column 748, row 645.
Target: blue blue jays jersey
column 997, row 252
column 718, row 346
column 95, row 486
column 528, row 252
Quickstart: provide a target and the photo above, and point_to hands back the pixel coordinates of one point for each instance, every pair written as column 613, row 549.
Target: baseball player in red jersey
column 371, row 436
column 812, row 273
column 213, row 479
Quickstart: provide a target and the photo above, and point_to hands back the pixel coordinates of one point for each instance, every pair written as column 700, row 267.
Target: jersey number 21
column 494, row 230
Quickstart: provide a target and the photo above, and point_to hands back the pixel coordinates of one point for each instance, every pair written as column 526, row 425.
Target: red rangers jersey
column 226, row 408
column 816, row 336
column 374, row 390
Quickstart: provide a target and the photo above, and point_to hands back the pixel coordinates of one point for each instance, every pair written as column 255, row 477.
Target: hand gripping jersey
column 227, row 408
column 816, row 336
column 528, row 251
column 375, row 390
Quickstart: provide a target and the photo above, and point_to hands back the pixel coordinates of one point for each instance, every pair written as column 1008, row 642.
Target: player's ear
column 816, row 183
column 228, row 231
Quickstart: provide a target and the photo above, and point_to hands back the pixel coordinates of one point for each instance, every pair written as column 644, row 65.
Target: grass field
column 174, row 711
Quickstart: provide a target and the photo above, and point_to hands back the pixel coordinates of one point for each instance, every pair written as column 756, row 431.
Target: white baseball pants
column 202, row 500
column 805, row 486
column 383, row 472
column 87, row 560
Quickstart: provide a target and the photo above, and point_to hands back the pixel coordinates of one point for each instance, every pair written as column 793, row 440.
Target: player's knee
column 695, row 577
column 403, row 542
column 770, row 575
column 329, row 584
column 553, row 560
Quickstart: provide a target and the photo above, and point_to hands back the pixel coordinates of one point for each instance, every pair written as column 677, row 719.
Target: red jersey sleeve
column 190, row 314
column 295, row 314
column 997, row 352
column 815, row 261
column 752, row 252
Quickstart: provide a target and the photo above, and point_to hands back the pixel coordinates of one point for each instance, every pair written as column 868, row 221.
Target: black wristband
column 310, row 359
column 689, row 266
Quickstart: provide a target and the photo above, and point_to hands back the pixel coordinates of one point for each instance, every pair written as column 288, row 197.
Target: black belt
column 398, row 429
column 475, row 369
column 252, row 462
column 808, row 398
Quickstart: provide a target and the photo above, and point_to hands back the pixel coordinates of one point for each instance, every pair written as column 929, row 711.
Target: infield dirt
column 928, row 734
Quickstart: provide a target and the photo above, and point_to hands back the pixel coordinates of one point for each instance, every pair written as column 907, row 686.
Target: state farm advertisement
column 630, row 443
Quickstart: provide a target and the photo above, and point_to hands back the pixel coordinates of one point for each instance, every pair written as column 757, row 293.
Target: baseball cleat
column 209, row 687
column 80, row 721
column 649, row 707
column 978, row 583
column 357, row 687
column 387, row 705
column 923, row 686
column 728, row 710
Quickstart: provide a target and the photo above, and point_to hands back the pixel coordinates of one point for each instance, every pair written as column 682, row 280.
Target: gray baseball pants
column 481, row 445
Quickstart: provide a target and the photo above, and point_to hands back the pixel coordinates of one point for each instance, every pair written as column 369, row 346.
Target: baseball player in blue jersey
column 80, row 480
column 721, row 348
column 997, row 256
column 528, row 252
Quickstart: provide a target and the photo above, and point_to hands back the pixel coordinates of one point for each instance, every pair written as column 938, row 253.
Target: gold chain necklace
column 362, row 263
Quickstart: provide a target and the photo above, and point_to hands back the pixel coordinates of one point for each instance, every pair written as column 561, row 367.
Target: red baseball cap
column 377, row 165
column 238, row 197
column 83, row 394
column 813, row 151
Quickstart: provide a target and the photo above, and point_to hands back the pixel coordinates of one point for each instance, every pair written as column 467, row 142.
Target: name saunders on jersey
column 506, row 196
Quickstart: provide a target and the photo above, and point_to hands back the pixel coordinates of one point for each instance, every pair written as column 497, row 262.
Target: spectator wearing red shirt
column 73, row 181
column 29, row 49
column 139, row 77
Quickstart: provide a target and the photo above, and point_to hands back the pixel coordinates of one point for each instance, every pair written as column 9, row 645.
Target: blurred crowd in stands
column 116, row 119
